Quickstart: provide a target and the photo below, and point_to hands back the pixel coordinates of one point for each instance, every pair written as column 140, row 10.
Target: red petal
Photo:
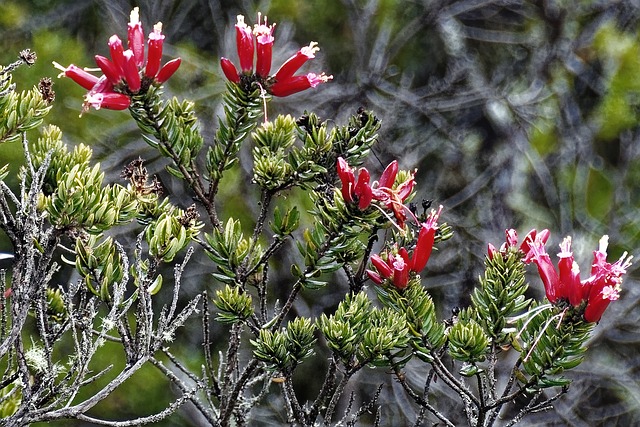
column 230, row 71
column 168, row 70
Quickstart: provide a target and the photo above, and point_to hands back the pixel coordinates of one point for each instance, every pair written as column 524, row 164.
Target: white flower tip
column 310, row 51
column 157, row 28
column 604, row 242
column 241, row 21
column 134, row 17
column 61, row 68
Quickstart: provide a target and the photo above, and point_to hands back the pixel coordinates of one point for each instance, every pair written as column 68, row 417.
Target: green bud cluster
column 19, row 111
column 228, row 248
column 62, row 161
column 283, row 350
column 360, row 334
column 234, row 304
column 287, row 223
column 467, row 342
column 99, row 264
column 171, row 233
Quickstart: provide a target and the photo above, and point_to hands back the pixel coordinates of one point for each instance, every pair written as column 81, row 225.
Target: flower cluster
column 258, row 42
column 362, row 191
column 126, row 73
column 564, row 285
column 396, row 265
column 512, row 242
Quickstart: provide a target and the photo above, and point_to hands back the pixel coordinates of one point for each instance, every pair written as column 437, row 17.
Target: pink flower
column 602, row 287
column 244, row 42
column 426, row 237
column 259, row 44
column 512, row 241
column 136, row 37
column 393, row 267
column 393, row 198
column 605, row 282
column 264, row 47
column 78, row 75
column 398, row 265
column 126, row 73
column 353, row 190
column 297, row 84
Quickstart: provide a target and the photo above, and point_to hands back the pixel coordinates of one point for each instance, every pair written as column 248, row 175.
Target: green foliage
column 19, row 111
column 172, row 232
column 178, row 137
column 287, row 223
column 426, row 332
column 467, row 342
column 385, row 339
column 500, row 295
column 553, row 340
column 241, row 111
column 344, row 330
column 283, row 350
column 234, row 304
column 228, row 248
column 360, row 334
column 56, row 308
column 353, row 142
column 100, row 265
column 62, row 161
column 10, row 398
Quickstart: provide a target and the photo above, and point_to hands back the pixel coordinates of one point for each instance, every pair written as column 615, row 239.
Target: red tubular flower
column 547, row 271
column 426, row 238
column 154, row 52
column 599, row 303
column 244, row 43
column 602, row 287
column 123, row 73
column 401, row 268
column 362, row 190
column 381, row 265
column 130, row 71
column 78, row 75
column 136, row 37
column 352, row 190
column 168, row 70
column 293, row 64
column 512, row 242
column 109, row 69
column 398, row 268
column 116, row 49
column 605, row 282
column 230, row 71
column 264, row 46
column 111, row 101
column 348, row 179
column 283, row 83
column 392, row 198
column 569, row 274
column 297, row 84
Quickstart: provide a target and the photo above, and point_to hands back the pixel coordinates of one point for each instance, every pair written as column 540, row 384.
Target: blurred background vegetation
column 518, row 114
